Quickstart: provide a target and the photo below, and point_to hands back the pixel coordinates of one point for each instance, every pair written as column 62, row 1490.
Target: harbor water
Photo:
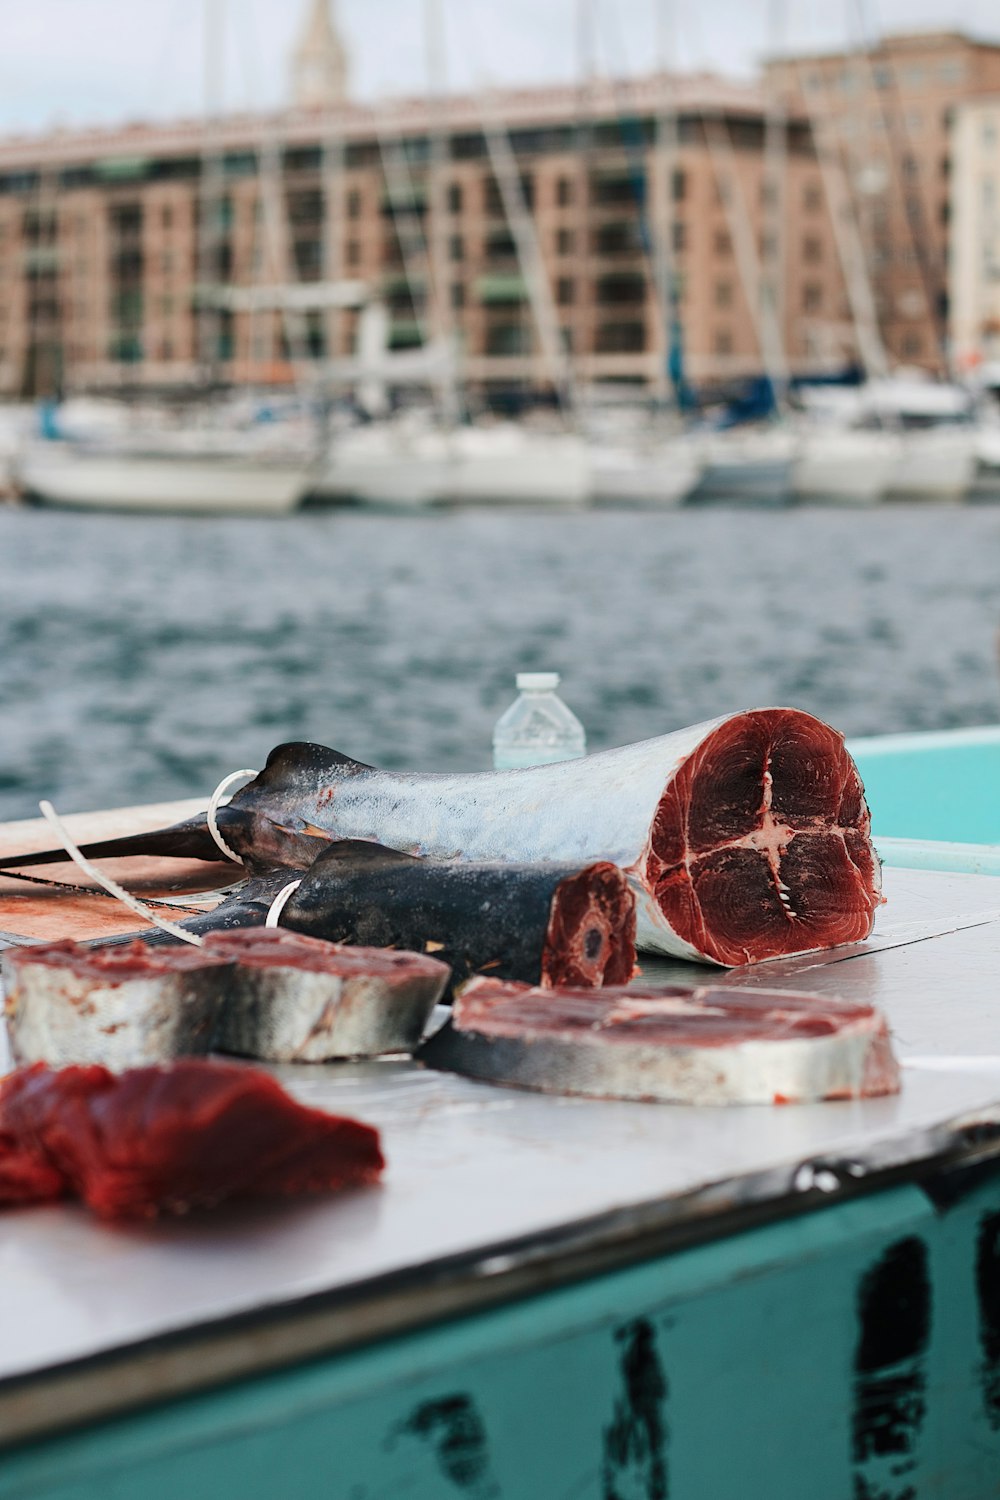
column 145, row 657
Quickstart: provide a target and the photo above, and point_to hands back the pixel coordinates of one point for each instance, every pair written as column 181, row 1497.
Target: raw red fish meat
column 166, row 1140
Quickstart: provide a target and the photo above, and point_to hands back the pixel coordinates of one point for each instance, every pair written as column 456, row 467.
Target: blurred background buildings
column 845, row 202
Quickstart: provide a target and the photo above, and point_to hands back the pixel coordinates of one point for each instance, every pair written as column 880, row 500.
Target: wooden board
column 50, row 911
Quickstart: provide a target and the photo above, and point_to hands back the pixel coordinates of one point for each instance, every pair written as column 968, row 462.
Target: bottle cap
column 541, row 682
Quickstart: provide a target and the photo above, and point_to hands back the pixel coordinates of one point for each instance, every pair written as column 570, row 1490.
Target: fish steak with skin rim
column 746, row 837
column 668, row 1043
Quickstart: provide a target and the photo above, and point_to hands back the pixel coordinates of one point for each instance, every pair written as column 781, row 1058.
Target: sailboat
column 143, row 462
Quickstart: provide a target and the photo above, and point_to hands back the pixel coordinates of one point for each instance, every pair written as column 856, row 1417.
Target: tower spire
column 319, row 61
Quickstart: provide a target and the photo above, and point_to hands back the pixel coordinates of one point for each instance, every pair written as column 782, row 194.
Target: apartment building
column 975, row 235
column 642, row 203
column 885, row 117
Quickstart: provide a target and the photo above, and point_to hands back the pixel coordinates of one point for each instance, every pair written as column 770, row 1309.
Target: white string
column 278, row 904
column 132, row 902
column 213, row 806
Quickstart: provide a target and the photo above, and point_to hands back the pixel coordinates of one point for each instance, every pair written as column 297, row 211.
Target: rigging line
column 88, row 890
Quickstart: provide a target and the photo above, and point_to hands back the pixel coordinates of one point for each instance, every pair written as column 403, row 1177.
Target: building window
column 812, row 250
column 812, row 297
column 455, row 197
column 680, row 235
column 812, row 197
column 912, row 345
column 679, row 185
column 457, row 294
column 354, row 204
column 565, row 291
column 166, row 215
column 508, row 339
column 723, row 294
column 723, row 341
column 620, row 338
column 456, row 247
column 353, row 253
column 564, row 192
column 564, row 242
column 723, row 242
column 951, row 70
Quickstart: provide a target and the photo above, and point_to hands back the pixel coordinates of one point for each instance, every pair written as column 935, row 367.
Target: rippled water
column 144, row 657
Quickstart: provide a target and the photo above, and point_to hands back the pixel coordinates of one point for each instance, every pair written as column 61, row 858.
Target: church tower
column 319, row 62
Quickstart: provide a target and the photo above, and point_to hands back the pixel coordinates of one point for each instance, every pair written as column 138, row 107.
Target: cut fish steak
column 167, row 1140
column 732, row 1045
column 121, row 1006
column 299, row 999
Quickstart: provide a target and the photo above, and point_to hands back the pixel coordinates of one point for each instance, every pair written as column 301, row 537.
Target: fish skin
column 855, row 1060
column 607, row 806
column 60, row 1017
column 471, row 917
column 325, row 1001
column 475, row 917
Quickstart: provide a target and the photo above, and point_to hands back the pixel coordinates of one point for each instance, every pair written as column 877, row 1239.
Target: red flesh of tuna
column 166, row 1140
column 761, row 843
column 280, row 948
column 117, row 963
column 591, row 933
column 682, row 1015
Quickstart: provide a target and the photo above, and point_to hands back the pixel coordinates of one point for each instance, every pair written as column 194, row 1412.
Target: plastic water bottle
column 538, row 728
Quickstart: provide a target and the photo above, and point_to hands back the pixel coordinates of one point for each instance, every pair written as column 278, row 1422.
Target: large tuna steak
column 732, row 1045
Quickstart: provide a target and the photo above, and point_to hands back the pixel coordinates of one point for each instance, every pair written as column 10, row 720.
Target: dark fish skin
column 246, row 907
column 474, row 917
column 504, row 920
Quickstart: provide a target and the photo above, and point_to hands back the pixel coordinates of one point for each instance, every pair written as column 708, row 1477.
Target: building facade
column 642, row 204
column 975, row 235
column 886, row 114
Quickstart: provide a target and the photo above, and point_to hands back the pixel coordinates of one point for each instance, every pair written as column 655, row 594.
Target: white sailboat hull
column 64, row 475
column 852, row 468
column 660, row 479
column 465, row 467
column 935, row 464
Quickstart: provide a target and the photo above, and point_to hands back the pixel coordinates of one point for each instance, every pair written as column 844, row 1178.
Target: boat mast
column 210, row 197
column 442, row 322
column 847, row 238
column 667, row 157
column 773, row 190
column 522, row 226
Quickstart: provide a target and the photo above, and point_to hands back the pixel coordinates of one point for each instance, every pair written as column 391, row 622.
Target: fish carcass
column 732, row 1045
column 744, row 838
column 544, row 923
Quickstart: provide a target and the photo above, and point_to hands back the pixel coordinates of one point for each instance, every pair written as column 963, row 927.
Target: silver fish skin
column 607, row 807
column 852, row 1060
column 61, row 1014
column 344, row 1002
column 744, row 838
